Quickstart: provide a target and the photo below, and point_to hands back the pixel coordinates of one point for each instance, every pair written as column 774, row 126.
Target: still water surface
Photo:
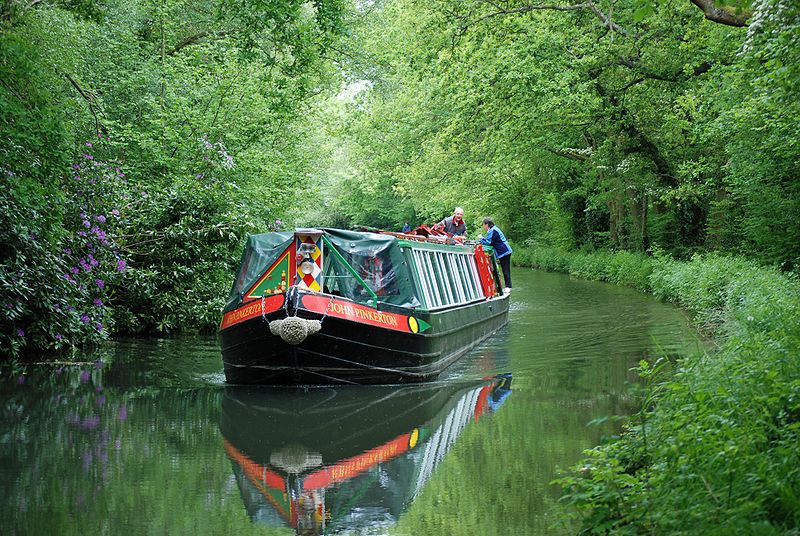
column 145, row 437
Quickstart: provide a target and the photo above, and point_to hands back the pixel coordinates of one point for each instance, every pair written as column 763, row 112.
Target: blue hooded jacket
column 495, row 238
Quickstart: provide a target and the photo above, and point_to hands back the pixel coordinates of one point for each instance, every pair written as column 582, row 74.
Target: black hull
column 348, row 351
column 337, row 422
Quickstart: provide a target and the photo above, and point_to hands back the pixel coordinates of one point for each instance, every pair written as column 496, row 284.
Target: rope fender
column 293, row 329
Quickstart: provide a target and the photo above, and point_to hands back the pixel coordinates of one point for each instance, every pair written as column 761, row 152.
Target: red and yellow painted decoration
column 271, row 485
column 485, row 272
column 252, row 309
column 313, row 278
column 275, row 280
column 347, row 469
column 364, row 314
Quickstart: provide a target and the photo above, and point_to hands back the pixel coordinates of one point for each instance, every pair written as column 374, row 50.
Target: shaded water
column 145, row 437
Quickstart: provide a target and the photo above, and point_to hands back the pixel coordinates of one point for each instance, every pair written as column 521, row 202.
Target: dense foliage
column 141, row 141
column 198, row 107
column 622, row 125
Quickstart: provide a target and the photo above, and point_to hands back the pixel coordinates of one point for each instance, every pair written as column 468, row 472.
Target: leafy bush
column 622, row 267
column 59, row 257
column 717, row 439
column 183, row 244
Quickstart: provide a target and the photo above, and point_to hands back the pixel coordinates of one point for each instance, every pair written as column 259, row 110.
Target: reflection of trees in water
column 78, row 454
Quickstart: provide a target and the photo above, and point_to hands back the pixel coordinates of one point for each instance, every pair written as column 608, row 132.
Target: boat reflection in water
column 326, row 459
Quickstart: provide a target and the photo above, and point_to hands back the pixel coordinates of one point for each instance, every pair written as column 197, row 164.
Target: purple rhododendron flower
column 76, row 166
column 68, row 251
column 100, row 283
column 85, row 318
column 98, row 302
column 98, row 326
column 115, row 212
column 87, row 224
column 84, row 376
column 89, row 144
column 200, row 175
column 121, row 265
column 75, row 270
column 90, row 423
column 20, row 332
column 87, row 156
column 59, row 337
column 100, row 218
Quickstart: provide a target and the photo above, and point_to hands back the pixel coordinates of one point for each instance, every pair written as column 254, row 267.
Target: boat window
column 436, row 283
column 374, row 268
column 452, row 274
column 444, row 282
column 422, row 276
column 446, row 277
column 470, row 273
column 461, row 271
column 462, row 274
column 476, row 278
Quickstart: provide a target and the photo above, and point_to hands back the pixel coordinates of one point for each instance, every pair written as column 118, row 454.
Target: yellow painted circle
column 412, row 323
column 412, row 442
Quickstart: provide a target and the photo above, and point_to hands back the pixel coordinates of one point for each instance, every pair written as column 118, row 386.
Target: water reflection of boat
column 325, row 459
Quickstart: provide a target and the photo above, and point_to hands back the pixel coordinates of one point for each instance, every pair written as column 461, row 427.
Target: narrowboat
column 323, row 306
column 345, row 459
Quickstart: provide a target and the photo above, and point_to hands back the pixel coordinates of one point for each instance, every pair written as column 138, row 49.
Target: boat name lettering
column 361, row 463
column 252, row 310
column 375, row 316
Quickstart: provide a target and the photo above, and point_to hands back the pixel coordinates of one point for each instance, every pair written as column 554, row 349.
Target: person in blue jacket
column 502, row 250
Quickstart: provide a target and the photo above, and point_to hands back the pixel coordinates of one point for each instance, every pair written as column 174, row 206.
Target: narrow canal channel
column 145, row 437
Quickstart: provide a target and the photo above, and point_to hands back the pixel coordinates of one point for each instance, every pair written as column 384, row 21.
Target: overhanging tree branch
column 579, row 155
column 723, row 15
column 606, row 19
column 195, row 38
column 90, row 100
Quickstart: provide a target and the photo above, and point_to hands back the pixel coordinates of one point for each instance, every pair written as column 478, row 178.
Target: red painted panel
column 356, row 313
column 485, row 271
column 252, row 310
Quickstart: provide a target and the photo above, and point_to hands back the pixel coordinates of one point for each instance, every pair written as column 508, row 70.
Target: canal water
column 145, row 437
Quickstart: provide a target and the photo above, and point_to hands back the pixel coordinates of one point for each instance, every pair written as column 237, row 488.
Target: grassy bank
column 715, row 448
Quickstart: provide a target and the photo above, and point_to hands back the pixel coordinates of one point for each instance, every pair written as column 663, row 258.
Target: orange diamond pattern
column 311, row 280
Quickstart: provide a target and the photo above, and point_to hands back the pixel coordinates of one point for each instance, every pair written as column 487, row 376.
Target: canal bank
column 713, row 448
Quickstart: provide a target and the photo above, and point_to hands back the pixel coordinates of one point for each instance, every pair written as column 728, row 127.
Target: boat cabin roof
column 366, row 267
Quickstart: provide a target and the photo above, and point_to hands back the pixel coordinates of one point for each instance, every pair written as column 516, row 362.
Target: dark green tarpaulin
column 377, row 259
column 259, row 253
